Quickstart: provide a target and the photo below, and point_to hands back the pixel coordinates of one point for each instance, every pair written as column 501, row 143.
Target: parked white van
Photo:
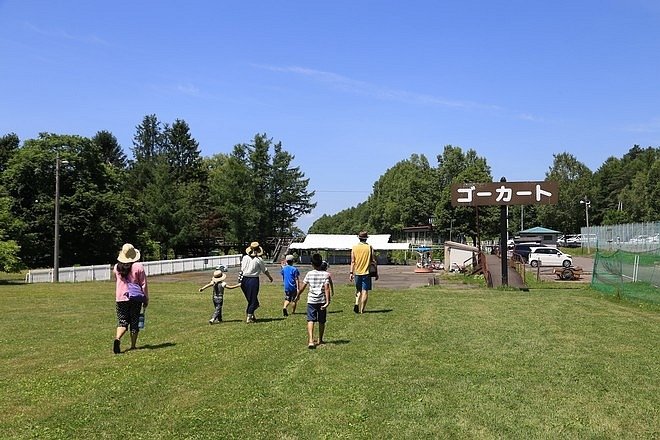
column 547, row 256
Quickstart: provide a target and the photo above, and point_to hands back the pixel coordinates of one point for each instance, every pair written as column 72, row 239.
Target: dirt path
column 392, row 277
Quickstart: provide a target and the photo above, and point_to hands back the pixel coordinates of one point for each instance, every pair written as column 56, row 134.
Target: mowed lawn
column 433, row 362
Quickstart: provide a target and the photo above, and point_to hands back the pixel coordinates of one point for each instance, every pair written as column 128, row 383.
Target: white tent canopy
column 346, row 242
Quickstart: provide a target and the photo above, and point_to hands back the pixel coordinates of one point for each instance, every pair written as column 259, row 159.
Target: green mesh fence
column 631, row 275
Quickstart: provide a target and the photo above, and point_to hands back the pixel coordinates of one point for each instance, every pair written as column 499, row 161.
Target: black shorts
column 128, row 314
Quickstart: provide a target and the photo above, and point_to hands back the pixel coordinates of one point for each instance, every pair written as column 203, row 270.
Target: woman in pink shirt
column 128, row 270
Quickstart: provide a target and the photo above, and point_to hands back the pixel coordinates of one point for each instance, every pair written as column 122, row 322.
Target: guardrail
column 103, row 272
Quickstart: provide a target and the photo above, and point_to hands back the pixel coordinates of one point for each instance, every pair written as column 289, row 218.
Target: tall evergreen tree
column 260, row 195
column 148, row 139
column 111, row 151
column 183, row 154
column 289, row 197
column 186, row 170
column 158, row 203
column 233, row 197
column 260, row 170
column 9, row 144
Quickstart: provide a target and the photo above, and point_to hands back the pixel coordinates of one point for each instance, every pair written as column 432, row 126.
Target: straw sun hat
column 128, row 254
column 218, row 276
column 254, row 249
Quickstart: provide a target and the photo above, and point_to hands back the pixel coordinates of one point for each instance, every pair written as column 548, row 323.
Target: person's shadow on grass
column 379, row 311
column 156, row 346
column 337, row 342
column 269, row 319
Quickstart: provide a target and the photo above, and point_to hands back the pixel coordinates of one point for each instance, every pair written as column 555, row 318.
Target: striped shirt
column 317, row 280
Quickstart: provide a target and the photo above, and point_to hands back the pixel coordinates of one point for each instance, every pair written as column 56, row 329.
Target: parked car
column 641, row 239
column 520, row 252
column 567, row 241
column 547, row 256
column 581, row 240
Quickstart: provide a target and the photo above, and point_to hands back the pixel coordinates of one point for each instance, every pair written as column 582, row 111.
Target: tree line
column 167, row 199
column 172, row 202
column 415, row 193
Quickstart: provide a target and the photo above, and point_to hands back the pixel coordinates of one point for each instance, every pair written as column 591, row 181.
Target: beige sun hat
column 254, row 249
column 128, row 254
column 363, row 235
column 218, row 276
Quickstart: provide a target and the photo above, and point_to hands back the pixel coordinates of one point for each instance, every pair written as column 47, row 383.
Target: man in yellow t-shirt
column 362, row 255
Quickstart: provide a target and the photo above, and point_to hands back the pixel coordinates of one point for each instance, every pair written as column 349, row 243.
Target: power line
column 339, row 191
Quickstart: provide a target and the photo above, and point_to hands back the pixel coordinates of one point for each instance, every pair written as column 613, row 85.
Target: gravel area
column 392, row 277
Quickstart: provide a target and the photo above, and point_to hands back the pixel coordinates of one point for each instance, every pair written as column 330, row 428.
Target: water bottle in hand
column 141, row 321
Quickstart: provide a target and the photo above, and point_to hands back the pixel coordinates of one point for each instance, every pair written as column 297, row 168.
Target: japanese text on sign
column 505, row 193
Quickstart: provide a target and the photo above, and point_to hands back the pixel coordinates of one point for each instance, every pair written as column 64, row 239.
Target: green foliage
column 158, row 201
column 173, row 189
column 575, row 184
column 348, row 221
column 169, row 195
column 257, row 194
column 289, row 198
column 400, row 257
column 628, row 188
column 182, row 153
column 111, row 151
column 149, row 139
column 411, row 193
column 91, row 213
column 9, row 249
column 9, row 143
column 403, row 196
column 456, row 166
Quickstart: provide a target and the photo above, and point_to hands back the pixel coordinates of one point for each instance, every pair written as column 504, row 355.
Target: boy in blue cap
column 291, row 281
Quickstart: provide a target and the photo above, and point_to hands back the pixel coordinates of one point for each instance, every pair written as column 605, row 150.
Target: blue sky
column 349, row 87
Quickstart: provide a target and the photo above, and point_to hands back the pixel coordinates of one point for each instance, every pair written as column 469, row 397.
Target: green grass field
column 434, row 362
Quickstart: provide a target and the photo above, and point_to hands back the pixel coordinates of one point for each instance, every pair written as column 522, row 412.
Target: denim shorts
column 290, row 296
column 362, row 282
column 316, row 314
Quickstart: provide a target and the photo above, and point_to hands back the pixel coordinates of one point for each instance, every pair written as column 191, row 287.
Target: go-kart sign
column 505, row 193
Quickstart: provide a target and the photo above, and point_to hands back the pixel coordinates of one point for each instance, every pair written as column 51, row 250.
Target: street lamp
column 586, row 204
column 56, row 251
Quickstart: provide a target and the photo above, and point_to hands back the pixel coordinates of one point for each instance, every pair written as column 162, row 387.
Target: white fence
column 103, row 272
